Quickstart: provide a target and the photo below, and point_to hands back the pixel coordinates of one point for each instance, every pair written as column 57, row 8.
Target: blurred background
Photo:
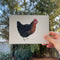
column 27, row 7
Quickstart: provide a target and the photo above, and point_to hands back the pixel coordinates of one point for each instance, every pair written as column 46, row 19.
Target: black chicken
column 27, row 29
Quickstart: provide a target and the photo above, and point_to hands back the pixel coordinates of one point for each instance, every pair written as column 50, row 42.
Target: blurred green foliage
column 23, row 54
column 5, row 56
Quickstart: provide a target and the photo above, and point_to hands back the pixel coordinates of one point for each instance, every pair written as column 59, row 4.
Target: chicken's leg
column 25, row 38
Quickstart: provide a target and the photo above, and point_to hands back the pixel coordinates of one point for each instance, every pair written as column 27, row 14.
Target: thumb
column 48, row 38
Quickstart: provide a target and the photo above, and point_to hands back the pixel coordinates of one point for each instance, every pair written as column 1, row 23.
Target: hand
column 54, row 40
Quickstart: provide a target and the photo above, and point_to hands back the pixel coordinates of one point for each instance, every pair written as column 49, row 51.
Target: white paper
column 42, row 28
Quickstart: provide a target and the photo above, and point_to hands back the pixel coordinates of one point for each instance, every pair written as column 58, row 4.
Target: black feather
column 22, row 29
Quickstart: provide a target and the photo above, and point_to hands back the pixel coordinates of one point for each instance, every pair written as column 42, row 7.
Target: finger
column 50, row 46
column 53, row 37
column 52, row 33
column 48, row 38
column 44, row 44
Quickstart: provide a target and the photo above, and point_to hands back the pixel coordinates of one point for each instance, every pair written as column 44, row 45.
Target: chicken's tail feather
column 19, row 23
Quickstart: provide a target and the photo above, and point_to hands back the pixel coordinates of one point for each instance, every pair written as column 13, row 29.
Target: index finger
column 52, row 33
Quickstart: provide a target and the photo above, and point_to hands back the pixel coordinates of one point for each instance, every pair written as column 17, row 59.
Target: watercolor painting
column 28, row 29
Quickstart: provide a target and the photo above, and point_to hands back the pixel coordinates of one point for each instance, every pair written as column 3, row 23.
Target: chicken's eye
column 35, row 21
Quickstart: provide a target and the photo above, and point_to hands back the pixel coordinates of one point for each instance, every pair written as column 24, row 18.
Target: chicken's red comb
column 35, row 19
